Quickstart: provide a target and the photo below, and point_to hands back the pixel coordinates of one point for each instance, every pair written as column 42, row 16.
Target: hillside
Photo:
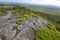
column 21, row 23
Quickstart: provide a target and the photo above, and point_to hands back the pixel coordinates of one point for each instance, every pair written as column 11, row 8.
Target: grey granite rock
column 6, row 26
column 9, row 30
column 27, row 28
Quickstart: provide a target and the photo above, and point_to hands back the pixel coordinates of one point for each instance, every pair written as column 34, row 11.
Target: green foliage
column 41, row 33
column 26, row 16
column 2, row 14
column 25, row 13
column 51, row 26
column 19, row 21
column 4, row 9
column 22, row 17
column 34, row 15
column 46, row 34
column 53, row 19
column 57, row 26
column 51, row 16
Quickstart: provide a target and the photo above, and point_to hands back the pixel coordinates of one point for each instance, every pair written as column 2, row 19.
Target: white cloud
column 46, row 2
column 35, row 1
column 23, row 1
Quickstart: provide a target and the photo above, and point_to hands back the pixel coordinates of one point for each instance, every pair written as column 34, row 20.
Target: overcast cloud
column 45, row 2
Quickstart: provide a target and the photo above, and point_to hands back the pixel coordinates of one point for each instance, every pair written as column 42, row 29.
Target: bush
column 51, row 26
column 46, row 34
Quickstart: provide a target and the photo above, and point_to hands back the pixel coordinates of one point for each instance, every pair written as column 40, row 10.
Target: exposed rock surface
column 6, row 25
column 27, row 28
column 9, row 30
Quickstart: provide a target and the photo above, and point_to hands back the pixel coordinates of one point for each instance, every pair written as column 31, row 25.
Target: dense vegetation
column 50, row 33
column 46, row 34
column 51, row 15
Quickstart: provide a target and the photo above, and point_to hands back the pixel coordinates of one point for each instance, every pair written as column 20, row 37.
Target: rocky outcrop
column 27, row 28
column 9, row 30
column 6, row 25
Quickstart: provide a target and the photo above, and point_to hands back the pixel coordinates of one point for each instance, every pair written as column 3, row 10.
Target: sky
column 45, row 2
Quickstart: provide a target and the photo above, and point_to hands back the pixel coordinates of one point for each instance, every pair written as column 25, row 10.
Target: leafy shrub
column 46, row 34
column 35, row 15
column 51, row 26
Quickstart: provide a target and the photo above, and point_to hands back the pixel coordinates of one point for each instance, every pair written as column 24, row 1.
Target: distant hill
column 32, row 5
